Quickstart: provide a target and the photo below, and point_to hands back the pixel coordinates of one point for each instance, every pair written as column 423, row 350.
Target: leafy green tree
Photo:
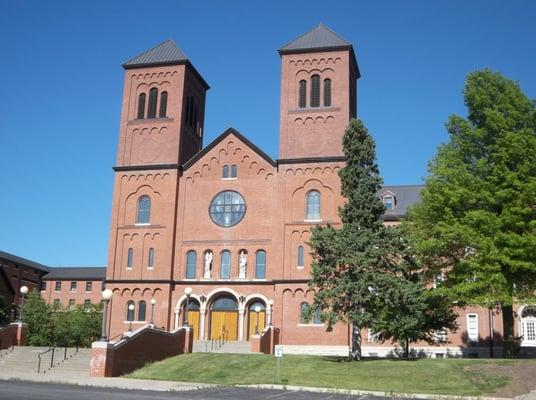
column 364, row 271
column 77, row 326
column 476, row 220
column 37, row 315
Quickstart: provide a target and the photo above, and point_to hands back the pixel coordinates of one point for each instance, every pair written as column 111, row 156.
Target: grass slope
column 452, row 377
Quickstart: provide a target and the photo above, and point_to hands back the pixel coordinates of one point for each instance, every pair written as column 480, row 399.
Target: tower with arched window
column 318, row 94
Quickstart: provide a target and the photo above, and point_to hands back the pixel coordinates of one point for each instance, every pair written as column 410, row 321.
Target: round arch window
column 227, row 208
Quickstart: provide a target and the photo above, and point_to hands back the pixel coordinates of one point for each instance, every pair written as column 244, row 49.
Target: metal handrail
column 216, row 343
column 39, row 355
column 120, row 336
column 6, row 351
column 53, row 352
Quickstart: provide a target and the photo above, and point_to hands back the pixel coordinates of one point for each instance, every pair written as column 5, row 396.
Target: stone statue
column 208, row 265
column 242, row 264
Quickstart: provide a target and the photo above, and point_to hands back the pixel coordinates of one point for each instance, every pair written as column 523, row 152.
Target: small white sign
column 278, row 352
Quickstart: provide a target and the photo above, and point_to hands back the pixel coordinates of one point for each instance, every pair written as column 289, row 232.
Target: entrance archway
column 193, row 316
column 256, row 321
column 224, row 319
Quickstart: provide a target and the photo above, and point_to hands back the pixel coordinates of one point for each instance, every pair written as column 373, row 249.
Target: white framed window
column 440, row 336
column 472, row 327
column 528, row 326
column 389, row 202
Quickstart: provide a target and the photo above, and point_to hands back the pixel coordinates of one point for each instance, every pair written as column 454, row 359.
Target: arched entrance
column 256, row 321
column 224, row 318
column 528, row 326
column 193, row 316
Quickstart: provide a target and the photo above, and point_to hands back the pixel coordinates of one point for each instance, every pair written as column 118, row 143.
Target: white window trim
column 300, row 267
column 472, row 339
column 229, row 179
column 311, row 325
column 142, row 224
column 525, row 342
column 312, row 220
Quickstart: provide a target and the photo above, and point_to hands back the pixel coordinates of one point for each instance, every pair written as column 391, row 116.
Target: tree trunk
column 406, row 349
column 509, row 342
column 355, row 353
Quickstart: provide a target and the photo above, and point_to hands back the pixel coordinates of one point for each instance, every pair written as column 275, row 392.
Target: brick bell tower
column 161, row 128
column 319, row 75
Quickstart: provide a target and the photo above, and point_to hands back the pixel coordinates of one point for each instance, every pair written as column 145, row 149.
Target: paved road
column 17, row 390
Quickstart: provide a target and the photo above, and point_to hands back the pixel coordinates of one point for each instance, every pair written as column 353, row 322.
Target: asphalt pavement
column 20, row 390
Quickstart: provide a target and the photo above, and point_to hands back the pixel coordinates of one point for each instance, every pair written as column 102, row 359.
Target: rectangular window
column 130, row 256
column 150, row 260
column 73, row 286
column 300, row 256
column 89, row 286
column 388, row 202
column 87, row 304
column 43, row 285
column 71, row 303
column 57, row 286
column 472, row 327
column 260, row 265
column 56, row 303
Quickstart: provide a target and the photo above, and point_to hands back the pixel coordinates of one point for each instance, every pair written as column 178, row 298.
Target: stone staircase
column 202, row 346
column 23, row 361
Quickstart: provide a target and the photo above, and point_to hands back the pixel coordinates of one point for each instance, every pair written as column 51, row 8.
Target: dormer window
column 389, row 202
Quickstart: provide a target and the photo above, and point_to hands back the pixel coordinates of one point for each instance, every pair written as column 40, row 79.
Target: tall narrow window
column 234, row 171
column 300, row 256
column 472, row 327
column 225, row 171
column 313, row 205
column 73, row 286
column 153, row 97
column 150, row 258
column 303, row 309
column 327, row 92
column 142, row 306
column 302, row 95
column 194, row 124
column 57, row 286
column 130, row 313
column 144, row 210
column 191, row 260
column 315, row 91
column 260, row 265
column 130, row 257
column 225, row 266
column 187, row 112
column 141, row 106
column 89, row 286
column 191, row 117
column 163, row 105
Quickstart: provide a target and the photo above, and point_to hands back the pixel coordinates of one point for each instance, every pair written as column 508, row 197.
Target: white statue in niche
column 242, row 264
column 208, row 265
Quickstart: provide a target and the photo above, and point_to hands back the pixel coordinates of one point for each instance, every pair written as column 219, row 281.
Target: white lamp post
column 23, row 292
column 106, row 296
column 187, row 292
column 153, row 302
column 130, row 310
column 257, row 311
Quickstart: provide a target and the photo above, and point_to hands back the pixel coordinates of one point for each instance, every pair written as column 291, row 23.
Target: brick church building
column 227, row 220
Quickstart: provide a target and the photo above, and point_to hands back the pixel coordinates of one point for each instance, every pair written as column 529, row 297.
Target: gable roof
column 318, row 38
column 76, row 273
column 215, row 142
column 406, row 196
column 23, row 261
column 166, row 53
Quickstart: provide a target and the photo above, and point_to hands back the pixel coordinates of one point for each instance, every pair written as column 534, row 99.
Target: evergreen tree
column 476, row 220
column 364, row 271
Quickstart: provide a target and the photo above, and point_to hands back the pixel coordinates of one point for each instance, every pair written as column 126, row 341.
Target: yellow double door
column 193, row 321
column 224, row 323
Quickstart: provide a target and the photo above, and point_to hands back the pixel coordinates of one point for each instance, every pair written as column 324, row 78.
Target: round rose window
column 227, row 208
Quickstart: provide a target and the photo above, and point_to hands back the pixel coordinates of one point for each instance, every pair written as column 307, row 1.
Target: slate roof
column 320, row 37
column 166, row 53
column 405, row 196
column 76, row 273
column 23, row 261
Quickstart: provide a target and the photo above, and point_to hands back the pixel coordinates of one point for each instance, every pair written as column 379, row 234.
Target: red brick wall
column 64, row 295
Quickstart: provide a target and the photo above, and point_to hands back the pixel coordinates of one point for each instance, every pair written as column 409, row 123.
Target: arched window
column 225, row 304
column 130, row 257
column 225, row 266
column 303, row 308
column 191, row 261
column 302, row 94
column 153, row 97
column 327, row 92
column 528, row 325
column 150, row 258
column 300, row 256
column 130, row 313
column 163, row 105
column 234, row 171
column 389, row 202
column 313, row 205
column 260, row 264
column 141, row 310
column 144, row 210
column 141, row 106
column 315, row 91
column 225, row 171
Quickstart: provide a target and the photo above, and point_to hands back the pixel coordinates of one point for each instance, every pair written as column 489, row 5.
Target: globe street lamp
column 153, row 302
column 106, row 296
column 130, row 316
column 257, row 311
column 23, row 292
column 187, row 292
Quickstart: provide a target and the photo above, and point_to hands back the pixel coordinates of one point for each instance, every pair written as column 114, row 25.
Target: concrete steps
column 201, row 346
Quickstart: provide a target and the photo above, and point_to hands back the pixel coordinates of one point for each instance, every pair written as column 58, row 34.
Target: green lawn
column 450, row 376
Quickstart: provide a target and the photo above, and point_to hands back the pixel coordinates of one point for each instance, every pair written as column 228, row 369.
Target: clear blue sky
column 62, row 82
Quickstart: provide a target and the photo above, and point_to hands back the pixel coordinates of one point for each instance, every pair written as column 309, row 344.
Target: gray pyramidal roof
column 166, row 53
column 320, row 37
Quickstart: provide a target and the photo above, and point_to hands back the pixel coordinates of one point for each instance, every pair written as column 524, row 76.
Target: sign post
column 278, row 353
